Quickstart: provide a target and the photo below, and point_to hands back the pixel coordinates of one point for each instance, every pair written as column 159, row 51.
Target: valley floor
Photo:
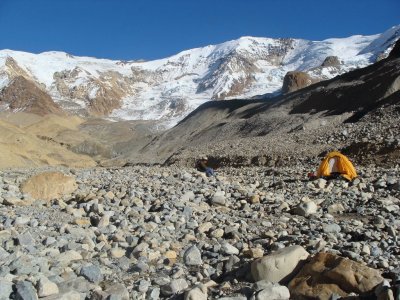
column 157, row 232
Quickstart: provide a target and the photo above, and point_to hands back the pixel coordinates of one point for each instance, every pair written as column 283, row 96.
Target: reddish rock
column 294, row 81
column 24, row 95
column 328, row 274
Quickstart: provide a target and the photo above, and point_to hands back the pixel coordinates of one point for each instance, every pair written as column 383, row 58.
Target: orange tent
column 335, row 162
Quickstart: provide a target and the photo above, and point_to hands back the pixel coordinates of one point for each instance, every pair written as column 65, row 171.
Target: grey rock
column 3, row 254
column 219, row 198
column 273, row 291
column 23, row 265
column 25, row 239
column 331, row 228
column 25, row 291
column 153, row 293
column 92, row 273
column 192, row 256
column 46, row 288
column 305, row 209
column 5, row 289
column 144, row 286
column 229, row 249
column 174, row 287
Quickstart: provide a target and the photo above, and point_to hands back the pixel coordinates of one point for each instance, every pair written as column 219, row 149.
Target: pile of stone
column 170, row 233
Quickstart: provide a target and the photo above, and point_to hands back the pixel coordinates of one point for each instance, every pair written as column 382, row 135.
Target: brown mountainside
column 24, row 95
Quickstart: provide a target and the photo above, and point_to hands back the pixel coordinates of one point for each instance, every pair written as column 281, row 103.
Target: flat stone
column 91, row 273
column 5, row 289
column 117, row 252
column 25, row 291
column 46, row 288
column 229, row 249
column 280, row 265
column 25, row 239
column 331, row 228
column 23, row 265
column 68, row 256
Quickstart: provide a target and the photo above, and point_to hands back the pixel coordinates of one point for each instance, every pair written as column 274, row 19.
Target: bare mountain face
column 24, row 95
column 168, row 89
column 357, row 112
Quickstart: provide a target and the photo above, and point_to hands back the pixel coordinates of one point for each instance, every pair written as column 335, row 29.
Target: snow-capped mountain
column 170, row 88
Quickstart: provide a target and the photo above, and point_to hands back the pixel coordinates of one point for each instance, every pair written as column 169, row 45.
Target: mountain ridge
column 168, row 89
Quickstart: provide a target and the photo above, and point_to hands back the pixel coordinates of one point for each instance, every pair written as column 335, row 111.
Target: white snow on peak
column 171, row 87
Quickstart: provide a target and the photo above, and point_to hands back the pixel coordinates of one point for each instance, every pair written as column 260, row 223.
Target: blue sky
column 149, row 29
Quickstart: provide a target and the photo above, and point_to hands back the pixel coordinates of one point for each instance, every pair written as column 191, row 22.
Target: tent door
column 333, row 165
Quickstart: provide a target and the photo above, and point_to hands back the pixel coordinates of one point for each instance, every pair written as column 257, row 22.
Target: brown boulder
column 49, row 185
column 327, row 274
column 295, row 80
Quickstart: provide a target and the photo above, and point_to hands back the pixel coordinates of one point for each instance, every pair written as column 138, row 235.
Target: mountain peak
column 170, row 88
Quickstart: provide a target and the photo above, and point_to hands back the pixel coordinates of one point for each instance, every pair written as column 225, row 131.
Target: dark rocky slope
column 328, row 115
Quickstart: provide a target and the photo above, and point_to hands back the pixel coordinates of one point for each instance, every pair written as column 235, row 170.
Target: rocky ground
column 172, row 233
column 374, row 139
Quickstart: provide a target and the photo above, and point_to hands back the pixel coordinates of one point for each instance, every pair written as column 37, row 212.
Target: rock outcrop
column 296, row 80
column 24, row 95
column 331, row 61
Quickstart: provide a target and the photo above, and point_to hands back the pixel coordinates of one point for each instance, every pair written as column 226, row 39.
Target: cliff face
column 24, row 95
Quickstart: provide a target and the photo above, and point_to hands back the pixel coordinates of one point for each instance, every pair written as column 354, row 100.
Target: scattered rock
column 280, row 265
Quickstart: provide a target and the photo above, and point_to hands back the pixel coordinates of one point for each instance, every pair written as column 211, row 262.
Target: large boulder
column 49, row 185
column 295, row 80
column 327, row 274
column 280, row 266
column 331, row 61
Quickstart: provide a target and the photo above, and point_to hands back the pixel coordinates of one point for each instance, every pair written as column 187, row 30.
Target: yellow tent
column 336, row 162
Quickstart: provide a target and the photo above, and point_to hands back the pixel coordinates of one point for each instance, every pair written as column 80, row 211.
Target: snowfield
column 169, row 88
